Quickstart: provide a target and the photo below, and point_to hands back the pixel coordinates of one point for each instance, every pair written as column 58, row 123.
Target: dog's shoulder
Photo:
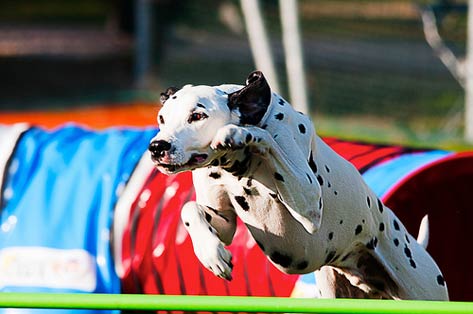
column 287, row 125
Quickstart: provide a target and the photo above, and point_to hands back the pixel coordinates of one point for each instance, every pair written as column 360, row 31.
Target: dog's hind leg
column 332, row 284
column 409, row 265
column 210, row 231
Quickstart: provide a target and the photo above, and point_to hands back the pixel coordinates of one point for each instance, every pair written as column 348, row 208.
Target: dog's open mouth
column 194, row 161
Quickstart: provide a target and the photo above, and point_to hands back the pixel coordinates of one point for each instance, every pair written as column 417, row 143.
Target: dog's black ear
column 253, row 100
column 168, row 93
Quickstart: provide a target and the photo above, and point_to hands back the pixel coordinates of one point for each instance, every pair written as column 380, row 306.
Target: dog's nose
column 158, row 148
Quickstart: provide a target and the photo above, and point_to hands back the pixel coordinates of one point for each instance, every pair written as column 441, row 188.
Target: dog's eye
column 161, row 120
column 196, row 116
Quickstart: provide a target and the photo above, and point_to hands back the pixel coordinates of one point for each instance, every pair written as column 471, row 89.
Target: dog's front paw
column 216, row 258
column 231, row 137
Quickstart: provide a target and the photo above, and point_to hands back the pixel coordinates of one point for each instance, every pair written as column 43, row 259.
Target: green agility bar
column 227, row 304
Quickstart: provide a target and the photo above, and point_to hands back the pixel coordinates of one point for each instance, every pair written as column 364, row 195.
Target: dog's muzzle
column 160, row 153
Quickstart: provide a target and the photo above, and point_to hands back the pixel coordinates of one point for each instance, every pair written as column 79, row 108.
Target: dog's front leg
column 296, row 184
column 210, row 231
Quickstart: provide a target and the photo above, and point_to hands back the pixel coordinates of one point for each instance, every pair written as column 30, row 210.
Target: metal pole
column 259, row 42
column 294, row 55
column 227, row 304
column 142, row 52
column 469, row 77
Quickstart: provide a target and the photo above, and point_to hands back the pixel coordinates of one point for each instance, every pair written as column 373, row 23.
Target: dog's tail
column 423, row 235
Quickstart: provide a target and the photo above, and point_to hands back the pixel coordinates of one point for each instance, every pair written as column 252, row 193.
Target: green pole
column 227, row 304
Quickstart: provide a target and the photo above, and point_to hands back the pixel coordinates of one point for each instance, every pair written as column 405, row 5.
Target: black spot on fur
column 278, row 176
column 168, row 93
column 200, row 105
column 215, row 175
column 187, row 224
column 174, row 97
column 320, row 179
column 281, row 102
column 248, row 138
column 407, row 239
column 275, row 136
column 312, row 164
column 380, row 206
column 320, row 203
column 281, row 259
column 335, row 192
column 208, row 217
column 371, row 245
column 240, row 167
column 407, row 252
column 308, row 177
column 247, row 191
column 327, row 169
column 330, row 257
column 358, row 229
column 381, row 227
column 368, row 201
column 302, row 128
column 396, row 242
column 329, row 185
column 330, row 236
column 396, row 225
column 223, row 160
column 413, row 263
column 279, row 116
column 341, row 221
column 302, row 265
column 249, row 182
column 440, row 280
column 241, row 200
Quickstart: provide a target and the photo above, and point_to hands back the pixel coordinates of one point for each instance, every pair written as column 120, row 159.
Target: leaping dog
column 253, row 156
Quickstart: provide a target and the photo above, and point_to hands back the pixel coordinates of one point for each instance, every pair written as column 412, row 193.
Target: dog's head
column 191, row 116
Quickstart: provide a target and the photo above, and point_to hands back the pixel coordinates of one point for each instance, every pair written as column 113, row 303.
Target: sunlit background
column 371, row 72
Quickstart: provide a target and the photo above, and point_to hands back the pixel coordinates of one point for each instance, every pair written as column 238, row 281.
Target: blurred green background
column 370, row 73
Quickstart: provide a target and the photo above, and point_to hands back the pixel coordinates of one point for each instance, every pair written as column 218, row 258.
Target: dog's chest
column 253, row 197
column 277, row 233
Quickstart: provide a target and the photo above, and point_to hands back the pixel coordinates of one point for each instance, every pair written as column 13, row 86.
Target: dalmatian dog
column 253, row 156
